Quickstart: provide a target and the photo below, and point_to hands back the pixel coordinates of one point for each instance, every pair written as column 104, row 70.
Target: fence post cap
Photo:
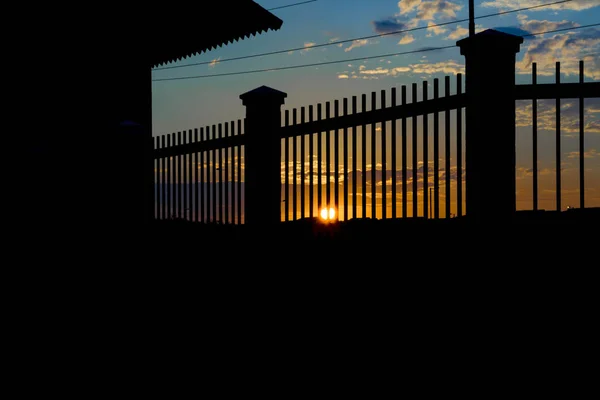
column 490, row 39
column 263, row 93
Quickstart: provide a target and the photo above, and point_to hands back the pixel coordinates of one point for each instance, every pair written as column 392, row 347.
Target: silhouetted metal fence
column 343, row 155
column 558, row 91
column 395, row 130
column 199, row 174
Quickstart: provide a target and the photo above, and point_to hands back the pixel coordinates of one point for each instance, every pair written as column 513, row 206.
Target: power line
column 292, row 5
column 361, row 38
column 305, row 65
column 351, row 59
column 560, row 30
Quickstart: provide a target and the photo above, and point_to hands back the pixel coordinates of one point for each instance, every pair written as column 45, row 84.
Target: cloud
column 399, row 70
column 569, row 49
column 343, row 76
column 569, row 118
column 446, row 67
column 214, row 62
column 392, row 24
column 407, row 6
column 357, row 43
column 337, row 39
column 536, row 26
column 307, row 47
column 588, row 154
column 406, row 39
column 458, row 33
column 428, row 10
column 437, row 30
column 577, row 5
column 377, row 71
column 533, row 26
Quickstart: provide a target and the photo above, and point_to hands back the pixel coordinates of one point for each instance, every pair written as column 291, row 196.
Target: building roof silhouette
column 222, row 23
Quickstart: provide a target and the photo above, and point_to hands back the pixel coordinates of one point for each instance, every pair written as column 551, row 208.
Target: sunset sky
column 192, row 103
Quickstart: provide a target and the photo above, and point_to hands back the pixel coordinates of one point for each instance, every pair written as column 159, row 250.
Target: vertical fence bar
column 156, row 186
column 302, row 166
column 174, row 208
column 232, row 174
column 196, row 200
column 383, row 161
column 447, row 148
column 190, row 179
column 459, row 129
column 346, row 174
column 186, row 159
column 319, row 161
column 336, row 162
column 213, row 180
column 436, row 153
column 163, row 187
column 558, row 149
column 226, row 180
column 581, row 141
column 202, row 181
column 220, row 204
column 415, row 174
column 170, row 178
column 295, row 162
column 364, row 159
column 286, row 185
column 239, row 174
column 404, row 158
column 179, row 180
column 425, row 155
column 311, row 156
column 208, row 181
column 373, row 159
column 328, row 157
column 534, row 109
column 394, row 169
column 354, row 161
column 235, row 155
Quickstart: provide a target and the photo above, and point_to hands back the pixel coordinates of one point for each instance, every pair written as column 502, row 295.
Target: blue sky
column 192, row 103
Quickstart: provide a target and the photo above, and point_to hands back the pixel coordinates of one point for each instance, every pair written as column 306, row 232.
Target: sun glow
column 328, row 214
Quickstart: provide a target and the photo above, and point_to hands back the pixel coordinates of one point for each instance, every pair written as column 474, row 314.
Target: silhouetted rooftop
column 181, row 34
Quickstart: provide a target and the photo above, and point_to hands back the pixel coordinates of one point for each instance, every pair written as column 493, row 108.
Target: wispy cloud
column 446, row 67
column 577, row 5
column 569, row 49
column 393, row 24
column 569, row 118
column 307, row 47
column 356, row 44
column 428, row 10
column 436, row 30
column 406, row 39
column 592, row 153
column 458, row 33
column 407, row 6
column 377, row 71
column 343, row 76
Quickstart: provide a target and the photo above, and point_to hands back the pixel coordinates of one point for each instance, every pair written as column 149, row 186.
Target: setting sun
column 328, row 214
